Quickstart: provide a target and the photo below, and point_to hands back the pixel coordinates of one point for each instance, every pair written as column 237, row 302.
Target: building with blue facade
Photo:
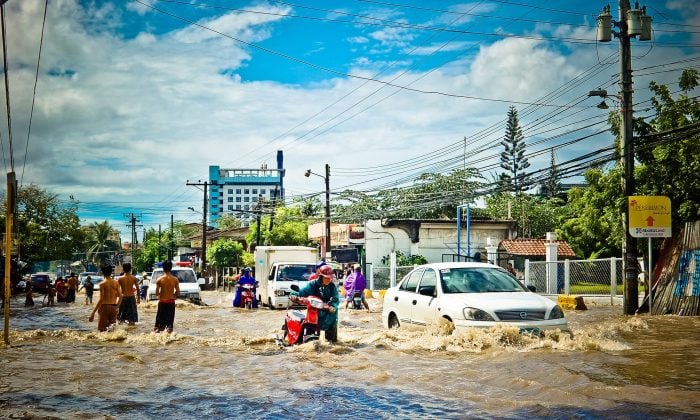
column 243, row 193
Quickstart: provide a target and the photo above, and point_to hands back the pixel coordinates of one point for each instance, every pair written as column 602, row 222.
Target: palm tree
column 99, row 239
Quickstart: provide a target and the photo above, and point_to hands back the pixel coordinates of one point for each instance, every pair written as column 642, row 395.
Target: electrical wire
column 36, row 80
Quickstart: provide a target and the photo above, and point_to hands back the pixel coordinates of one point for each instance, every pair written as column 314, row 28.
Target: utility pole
column 632, row 23
column 203, row 257
column 171, row 249
column 159, row 235
column 11, row 203
column 328, row 211
column 132, row 222
column 258, row 219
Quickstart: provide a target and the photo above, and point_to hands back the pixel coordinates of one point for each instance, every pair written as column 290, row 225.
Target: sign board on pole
column 650, row 216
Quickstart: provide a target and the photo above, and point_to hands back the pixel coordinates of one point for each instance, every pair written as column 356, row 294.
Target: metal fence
column 381, row 277
column 582, row 277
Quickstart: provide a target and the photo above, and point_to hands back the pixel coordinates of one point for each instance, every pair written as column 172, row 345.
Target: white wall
column 435, row 239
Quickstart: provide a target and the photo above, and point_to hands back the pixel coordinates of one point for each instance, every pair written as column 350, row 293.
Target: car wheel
column 393, row 321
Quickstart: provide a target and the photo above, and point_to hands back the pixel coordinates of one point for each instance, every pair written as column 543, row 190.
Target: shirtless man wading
column 167, row 289
column 130, row 296
column 108, row 304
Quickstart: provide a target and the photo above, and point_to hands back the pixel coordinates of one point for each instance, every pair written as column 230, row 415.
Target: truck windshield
column 295, row 272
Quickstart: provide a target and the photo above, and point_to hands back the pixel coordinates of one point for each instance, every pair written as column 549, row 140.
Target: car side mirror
column 294, row 287
column 531, row 288
column 427, row 290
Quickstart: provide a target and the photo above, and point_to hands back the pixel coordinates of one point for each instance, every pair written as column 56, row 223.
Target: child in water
column 29, row 299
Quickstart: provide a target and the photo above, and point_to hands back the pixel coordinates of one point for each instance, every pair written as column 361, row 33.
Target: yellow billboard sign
column 649, row 216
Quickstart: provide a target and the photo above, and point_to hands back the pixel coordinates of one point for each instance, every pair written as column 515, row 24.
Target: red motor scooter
column 247, row 295
column 300, row 327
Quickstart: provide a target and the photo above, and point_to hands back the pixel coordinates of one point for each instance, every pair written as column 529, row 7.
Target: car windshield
column 183, row 276
column 295, row 272
column 478, row 280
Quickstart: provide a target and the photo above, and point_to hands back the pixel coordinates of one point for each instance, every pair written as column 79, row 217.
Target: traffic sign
column 649, row 216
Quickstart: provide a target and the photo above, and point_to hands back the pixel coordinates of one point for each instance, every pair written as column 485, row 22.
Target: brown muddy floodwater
column 223, row 362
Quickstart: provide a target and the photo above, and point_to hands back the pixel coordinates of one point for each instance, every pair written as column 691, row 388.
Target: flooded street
column 223, row 362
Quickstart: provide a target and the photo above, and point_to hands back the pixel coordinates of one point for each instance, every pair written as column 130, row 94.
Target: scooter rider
column 324, row 288
column 245, row 278
column 356, row 282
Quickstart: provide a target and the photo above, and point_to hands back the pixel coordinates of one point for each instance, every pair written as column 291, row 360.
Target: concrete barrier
column 571, row 302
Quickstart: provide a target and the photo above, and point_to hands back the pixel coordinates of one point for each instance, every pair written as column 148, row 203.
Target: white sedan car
column 189, row 286
column 468, row 295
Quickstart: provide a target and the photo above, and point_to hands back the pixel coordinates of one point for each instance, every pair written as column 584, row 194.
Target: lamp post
column 328, row 204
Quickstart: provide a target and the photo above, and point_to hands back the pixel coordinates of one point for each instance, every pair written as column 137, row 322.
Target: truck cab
column 278, row 267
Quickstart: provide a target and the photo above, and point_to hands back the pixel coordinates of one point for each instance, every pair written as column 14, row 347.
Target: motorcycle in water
column 357, row 300
column 300, row 327
column 247, row 295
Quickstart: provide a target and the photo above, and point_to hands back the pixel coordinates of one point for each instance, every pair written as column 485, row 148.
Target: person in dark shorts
column 130, row 297
column 108, row 303
column 72, row 288
column 28, row 298
column 167, row 289
column 89, row 289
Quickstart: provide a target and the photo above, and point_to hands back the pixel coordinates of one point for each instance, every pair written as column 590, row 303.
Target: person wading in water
column 108, row 303
column 167, row 289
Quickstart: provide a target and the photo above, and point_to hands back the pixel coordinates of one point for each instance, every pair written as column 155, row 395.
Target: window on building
column 230, row 207
column 263, row 191
column 246, row 191
column 246, row 199
column 238, row 190
column 255, row 190
column 246, row 207
column 230, row 199
column 238, row 199
column 238, row 207
column 230, row 191
column 254, row 199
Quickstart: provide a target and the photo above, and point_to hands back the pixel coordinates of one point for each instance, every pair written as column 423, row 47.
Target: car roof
column 449, row 265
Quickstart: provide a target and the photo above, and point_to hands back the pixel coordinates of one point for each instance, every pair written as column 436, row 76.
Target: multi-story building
column 243, row 193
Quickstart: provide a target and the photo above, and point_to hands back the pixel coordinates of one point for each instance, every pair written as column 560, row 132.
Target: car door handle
column 415, row 301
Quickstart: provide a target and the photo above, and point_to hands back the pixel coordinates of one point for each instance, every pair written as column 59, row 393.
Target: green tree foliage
column 225, row 253
column 100, row 246
column 513, row 159
column 671, row 167
column 48, row 229
column 148, row 255
column 404, row 260
column 432, row 196
column 535, row 216
column 227, row 221
column 289, row 227
column 551, row 186
column 592, row 224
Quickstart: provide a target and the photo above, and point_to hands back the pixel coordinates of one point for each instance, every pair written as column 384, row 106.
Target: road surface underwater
column 223, row 362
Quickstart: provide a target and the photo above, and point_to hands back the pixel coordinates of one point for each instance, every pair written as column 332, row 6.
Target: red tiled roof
column 535, row 247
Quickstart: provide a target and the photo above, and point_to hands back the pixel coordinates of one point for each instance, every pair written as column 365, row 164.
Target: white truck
column 278, row 267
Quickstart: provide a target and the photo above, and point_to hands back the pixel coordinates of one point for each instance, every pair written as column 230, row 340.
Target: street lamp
column 328, row 204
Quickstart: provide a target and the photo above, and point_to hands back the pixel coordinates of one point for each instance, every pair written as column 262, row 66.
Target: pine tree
column 513, row 159
column 551, row 186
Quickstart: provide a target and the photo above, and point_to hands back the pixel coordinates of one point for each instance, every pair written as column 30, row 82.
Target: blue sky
column 135, row 98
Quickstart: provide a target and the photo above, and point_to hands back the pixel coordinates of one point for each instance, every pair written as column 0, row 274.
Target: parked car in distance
column 40, row 282
column 189, row 286
column 468, row 295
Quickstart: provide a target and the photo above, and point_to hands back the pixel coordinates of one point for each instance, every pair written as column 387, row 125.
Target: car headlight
column 556, row 313
column 475, row 314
